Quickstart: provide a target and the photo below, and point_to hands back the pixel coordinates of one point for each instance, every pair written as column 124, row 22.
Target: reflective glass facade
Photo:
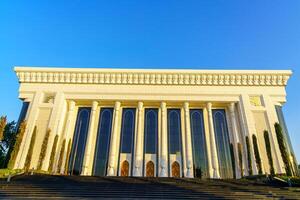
column 199, row 144
column 127, row 130
column 79, row 141
column 151, row 131
column 103, row 141
column 222, row 143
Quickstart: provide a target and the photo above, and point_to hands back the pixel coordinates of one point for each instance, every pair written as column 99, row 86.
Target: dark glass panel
column 103, row 141
column 222, row 143
column 127, row 131
column 199, row 143
column 79, row 141
column 174, row 130
column 151, row 130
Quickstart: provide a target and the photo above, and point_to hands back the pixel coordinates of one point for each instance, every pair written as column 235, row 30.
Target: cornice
column 154, row 77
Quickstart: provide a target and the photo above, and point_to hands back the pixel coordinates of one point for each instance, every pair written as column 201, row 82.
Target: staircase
column 67, row 187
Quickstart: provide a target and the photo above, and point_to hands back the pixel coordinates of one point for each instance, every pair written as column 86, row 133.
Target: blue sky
column 200, row 34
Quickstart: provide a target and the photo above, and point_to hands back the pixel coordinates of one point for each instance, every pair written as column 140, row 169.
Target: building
column 162, row 123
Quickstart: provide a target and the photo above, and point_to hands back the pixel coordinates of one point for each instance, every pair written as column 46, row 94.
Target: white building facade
column 157, row 123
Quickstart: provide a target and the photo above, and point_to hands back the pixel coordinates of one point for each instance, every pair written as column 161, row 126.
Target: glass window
column 151, row 130
column 198, row 143
column 103, row 141
column 174, row 130
column 79, row 141
column 222, row 143
column 127, row 131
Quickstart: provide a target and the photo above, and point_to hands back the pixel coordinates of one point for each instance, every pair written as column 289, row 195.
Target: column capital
column 186, row 105
column 140, row 105
column 71, row 105
column 94, row 105
column 231, row 107
column 163, row 105
column 209, row 106
column 117, row 105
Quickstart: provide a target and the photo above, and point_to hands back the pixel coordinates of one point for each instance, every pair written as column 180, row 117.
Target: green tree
column 43, row 149
column 269, row 152
column 61, row 156
column 282, row 147
column 239, row 146
column 16, row 145
column 232, row 160
column 3, row 121
column 30, row 150
column 52, row 156
column 256, row 154
column 8, row 140
column 249, row 156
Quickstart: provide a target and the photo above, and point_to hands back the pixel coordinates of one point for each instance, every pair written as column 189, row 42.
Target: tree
column 30, row 150
column 43, row 149
column 7, row 143
column 61, row 156
column 282, row 147
column 3, row 121
column 232, row 160
column 52, row 156
column 16, row 145
column 256, row 154
column 239, row 146
column 249, row 156
column 269, row 152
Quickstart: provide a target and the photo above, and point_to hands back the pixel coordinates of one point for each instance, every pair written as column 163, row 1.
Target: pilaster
column 214, row 155
column 87, row 161
column 138, row 159
column 164, row 142
column 188, row 140
column 208, row 143
column 113, row 153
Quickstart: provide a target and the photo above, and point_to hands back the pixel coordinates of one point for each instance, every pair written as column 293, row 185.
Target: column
column 272, row 118
column 235, row 138
column 188, row 141
column 55, row 125
column 215, row 162
column 30, row 123
column 68, row 127
column 113, row 152
column 87, row 160
column 208, row 143
column 164, row 142
column 138, row 158
column 248, row 126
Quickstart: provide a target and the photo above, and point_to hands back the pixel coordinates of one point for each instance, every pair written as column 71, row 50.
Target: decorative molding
column 154, row 77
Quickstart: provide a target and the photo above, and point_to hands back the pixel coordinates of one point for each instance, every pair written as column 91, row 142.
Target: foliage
column 269, row 152
column 282, row 147
column 30, row 150
column 61, row 156
column 249, row 156
column 4, row 173
column 295, row 165
column 3, row 121
column 256, row 154
column 68, row 156
column 43, row 150
column 232, row 160
column 240, row 155
column 16, row 145
column 52, row 156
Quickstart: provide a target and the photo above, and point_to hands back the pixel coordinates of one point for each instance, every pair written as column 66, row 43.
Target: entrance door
column 150, row 169
column 175, row 170
column 125, row 168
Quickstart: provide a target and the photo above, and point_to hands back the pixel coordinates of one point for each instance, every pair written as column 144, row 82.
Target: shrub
column 61, row 156
column 52, row 156
column 43, row 150
column 30, row 150
column 269, row 152
column 68, row 156
column 239, row 146
column 256, row 154
column 3, row 122
column 232, row 160
column 282, row 147
column 249, row 156
column 16, row 146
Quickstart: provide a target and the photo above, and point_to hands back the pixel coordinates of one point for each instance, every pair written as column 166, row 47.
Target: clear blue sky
column 200, row 34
